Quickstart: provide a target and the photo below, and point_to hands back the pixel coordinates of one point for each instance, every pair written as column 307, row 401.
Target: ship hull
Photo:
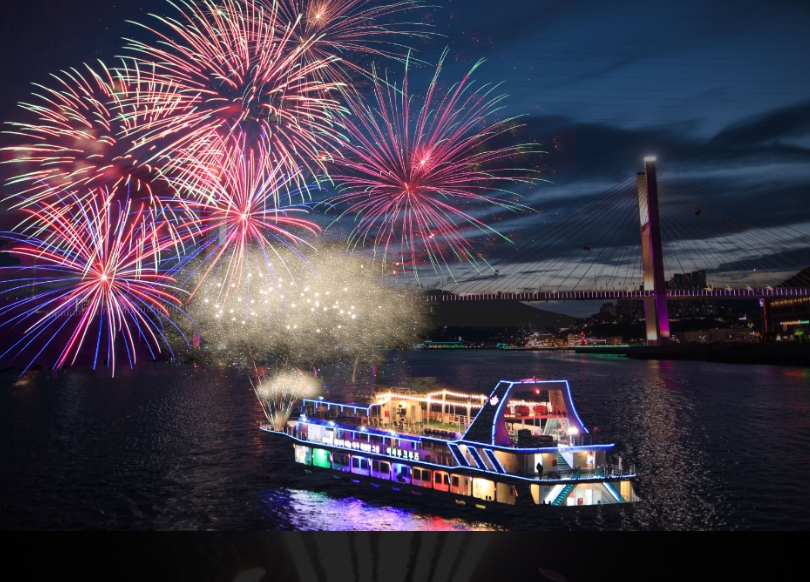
column 463, row 488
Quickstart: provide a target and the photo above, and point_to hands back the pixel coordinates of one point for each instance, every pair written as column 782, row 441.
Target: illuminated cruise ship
column 523, row 444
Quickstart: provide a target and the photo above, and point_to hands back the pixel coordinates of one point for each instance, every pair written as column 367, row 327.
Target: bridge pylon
column 652, row 257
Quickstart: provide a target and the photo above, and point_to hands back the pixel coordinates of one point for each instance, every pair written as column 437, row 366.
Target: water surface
column 716, row 446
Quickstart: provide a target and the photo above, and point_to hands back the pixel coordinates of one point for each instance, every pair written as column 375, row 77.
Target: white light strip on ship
column 446, row 468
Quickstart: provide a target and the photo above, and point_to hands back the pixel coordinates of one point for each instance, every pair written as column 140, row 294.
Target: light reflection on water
column 308, row 510
column 716, row 446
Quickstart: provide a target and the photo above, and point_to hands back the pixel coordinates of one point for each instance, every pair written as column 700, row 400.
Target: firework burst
column 237, row 68
column 81, row 137
column 335, row 31
column 246, row 211
column 92, row 268
column 408, row 174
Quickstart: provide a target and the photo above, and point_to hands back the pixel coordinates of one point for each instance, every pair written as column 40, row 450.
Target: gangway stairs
column 563, row 494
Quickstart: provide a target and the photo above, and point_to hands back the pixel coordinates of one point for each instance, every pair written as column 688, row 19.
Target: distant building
column 693, row 280
column 607, row 312
column 541, row 340
column 630, row 310
column 788, row 316
column 692, row 309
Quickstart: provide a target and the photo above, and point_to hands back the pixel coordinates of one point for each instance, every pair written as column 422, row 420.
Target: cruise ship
column 523, row 444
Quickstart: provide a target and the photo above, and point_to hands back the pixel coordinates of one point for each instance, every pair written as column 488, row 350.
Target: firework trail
column 95, row 260
column 332, row 30
column 236, row 67
column 246, row 211
column 407, row 174
column 81, row 138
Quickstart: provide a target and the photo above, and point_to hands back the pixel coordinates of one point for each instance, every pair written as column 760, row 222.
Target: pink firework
column 338, row 31
column 236, row 67
column 81, row 136
column 245, row 204
column 91, row 278
column 413, row 180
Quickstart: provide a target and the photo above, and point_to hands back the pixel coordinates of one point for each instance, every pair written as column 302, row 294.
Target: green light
column 320, row 458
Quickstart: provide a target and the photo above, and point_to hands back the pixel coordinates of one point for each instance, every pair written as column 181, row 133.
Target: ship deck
column 526, row 433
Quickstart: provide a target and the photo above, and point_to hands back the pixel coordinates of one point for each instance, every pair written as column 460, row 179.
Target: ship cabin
column 524, row 432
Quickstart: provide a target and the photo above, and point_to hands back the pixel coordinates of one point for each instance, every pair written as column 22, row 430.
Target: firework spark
column 81, row 138
column 244, row 202
column 92, row 269
column 335, row 31
column 330, row 307
column 236, row 67
column 406, row 173
column 279, row 393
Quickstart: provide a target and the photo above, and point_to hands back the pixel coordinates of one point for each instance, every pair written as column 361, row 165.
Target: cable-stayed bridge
column 653, row 238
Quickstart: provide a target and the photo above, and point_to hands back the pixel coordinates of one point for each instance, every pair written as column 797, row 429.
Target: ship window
column 385, row 467
column 438, row 477
column 343, row 460
column 375, row 465
column 355, row 462
column 455, row 481
column 417, row 474
column 447, row 479
column 363, row 464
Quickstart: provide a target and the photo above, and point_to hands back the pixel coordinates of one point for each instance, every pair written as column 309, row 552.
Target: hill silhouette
column 495, row 314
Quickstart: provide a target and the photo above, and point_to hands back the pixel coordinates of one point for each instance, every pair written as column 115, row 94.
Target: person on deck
column 539, row 470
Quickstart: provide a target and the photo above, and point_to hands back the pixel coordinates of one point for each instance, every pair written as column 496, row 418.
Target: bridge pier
column 652, row 257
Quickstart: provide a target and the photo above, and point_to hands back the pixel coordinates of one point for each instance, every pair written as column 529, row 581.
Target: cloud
column 605, row 151
column 766, row 129
column 748, row 163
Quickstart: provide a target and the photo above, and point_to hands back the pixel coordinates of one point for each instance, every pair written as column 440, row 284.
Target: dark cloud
column 765, row 129
column 793, row 260
column 604, row 151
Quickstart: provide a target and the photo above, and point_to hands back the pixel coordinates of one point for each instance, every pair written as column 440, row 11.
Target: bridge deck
column 673, row 294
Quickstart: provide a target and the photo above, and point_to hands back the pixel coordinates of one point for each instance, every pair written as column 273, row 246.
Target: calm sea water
column 175, row 447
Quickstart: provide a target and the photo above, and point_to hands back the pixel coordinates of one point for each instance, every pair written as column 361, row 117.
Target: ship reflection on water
column 310, row 510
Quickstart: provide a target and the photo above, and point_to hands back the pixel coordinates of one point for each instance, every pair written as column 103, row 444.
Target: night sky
column 719, row 91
